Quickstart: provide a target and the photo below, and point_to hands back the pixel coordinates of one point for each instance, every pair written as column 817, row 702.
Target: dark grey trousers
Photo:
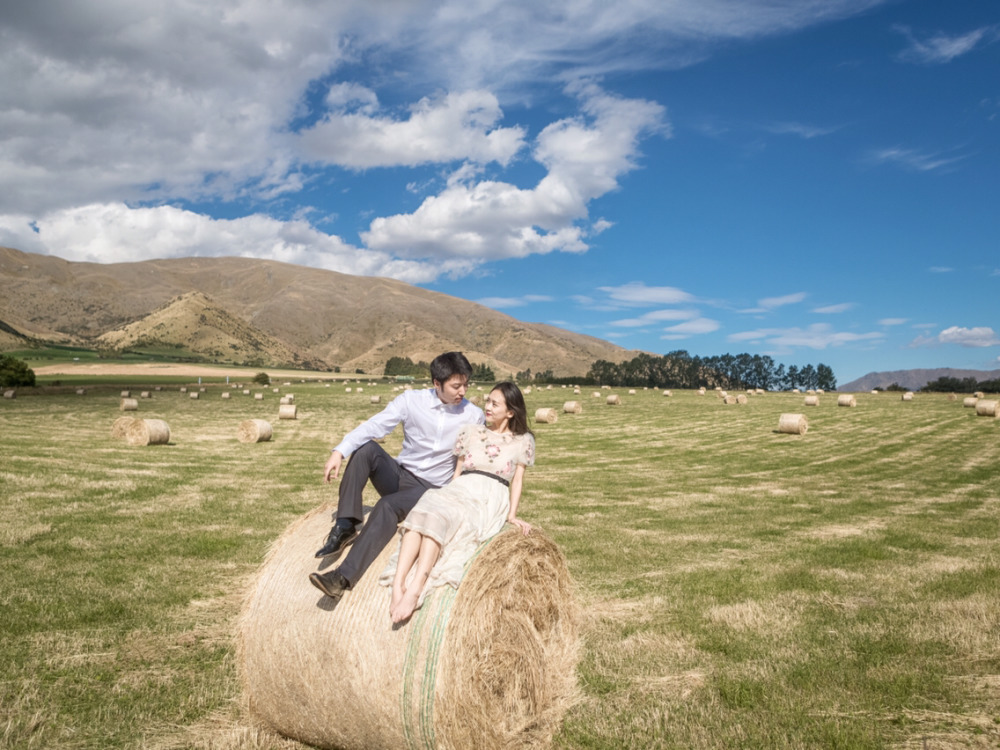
column 399, row 490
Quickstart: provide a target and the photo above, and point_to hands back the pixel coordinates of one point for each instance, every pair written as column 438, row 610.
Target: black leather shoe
column 332, row 584
column 342, row 533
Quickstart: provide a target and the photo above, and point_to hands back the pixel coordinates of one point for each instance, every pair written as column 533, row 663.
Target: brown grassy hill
column 348, row 321
column 193, row 323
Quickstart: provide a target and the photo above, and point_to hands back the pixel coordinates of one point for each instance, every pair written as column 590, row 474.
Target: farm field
column 741, row 588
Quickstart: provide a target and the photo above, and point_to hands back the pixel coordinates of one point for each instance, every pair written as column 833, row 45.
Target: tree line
column 679, row 369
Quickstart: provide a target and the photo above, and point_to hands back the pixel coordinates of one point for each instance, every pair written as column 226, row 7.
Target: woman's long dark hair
column 515, row 402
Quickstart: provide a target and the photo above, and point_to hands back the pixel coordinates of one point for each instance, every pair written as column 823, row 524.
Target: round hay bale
column 908, row 396
column 631, row 391
column 730, row 400
column 126, row 394
column 148, row 432
column 874, row 391
column 812, row 400
column 979, row 394
column 225, row 394
column 614, row 400
column 157, row 387
column 195, row 395
column 10, row 393
column 184, row 389
column 258, row 397
column 129, row 404
column 741, row 399
column 81, row 391
column 246, row 391
column 546, row 415
column 987, row 408
column 375, row 399
column 254, row 431
column 721, row 394
column 285, row 400
column 347, row 390
column 846, row 399
column 572, row 407
column 701, row 391
column 793, row 424
column 145, row 394
column 287, row 411
column 119, row 428
column 667, row 393
column 970, row 402
column 490, row 665
column 576, row 391
column 952, row 397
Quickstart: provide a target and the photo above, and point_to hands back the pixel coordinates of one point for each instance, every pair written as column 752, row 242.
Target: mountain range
column 250, row 311
column 914, row 380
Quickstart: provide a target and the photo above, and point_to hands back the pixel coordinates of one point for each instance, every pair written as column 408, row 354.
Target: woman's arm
column 516, row 483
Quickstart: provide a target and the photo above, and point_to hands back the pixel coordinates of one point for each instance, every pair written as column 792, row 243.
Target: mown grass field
column 741, row 588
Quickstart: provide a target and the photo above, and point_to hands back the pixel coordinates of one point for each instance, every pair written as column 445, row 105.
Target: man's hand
column 332, row 468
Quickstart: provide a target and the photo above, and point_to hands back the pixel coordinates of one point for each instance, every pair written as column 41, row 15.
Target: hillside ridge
column 274, row 310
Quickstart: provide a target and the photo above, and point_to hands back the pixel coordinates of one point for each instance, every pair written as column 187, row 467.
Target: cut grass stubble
column 742, row 588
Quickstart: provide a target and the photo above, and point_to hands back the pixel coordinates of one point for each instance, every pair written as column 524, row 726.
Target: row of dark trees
column 732, row 371
column 406, row 366
column 962, row 385
column 15, row 372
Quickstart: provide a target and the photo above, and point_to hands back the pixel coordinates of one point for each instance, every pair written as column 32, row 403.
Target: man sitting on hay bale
column 431, row 420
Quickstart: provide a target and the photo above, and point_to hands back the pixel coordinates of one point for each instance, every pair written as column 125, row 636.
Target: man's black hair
column 448, row 364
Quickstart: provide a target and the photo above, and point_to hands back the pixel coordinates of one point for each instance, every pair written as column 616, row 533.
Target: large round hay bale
column 970, row 402
column 148, row 432
column 793, row 424
column 614, row 400
column 908, row 396
column 145, row 394
column 987, row 408
column 258, row 396
column 129, row 404
column 125, row 394
column 667, row 393
column 254, row 431
column 225, row 394
column 811, row 400
column 375, row 399
column 631, row 391
column 741, row 399
column 572, row 407
column 287, row 411
column 730, row 400
column 119, row 428
column 596, row 394
column 490, row 665
column 10, row 393
column 194, row 394
column 285, row 400
column 846, row 399
column 979, row 394
column 546, row 415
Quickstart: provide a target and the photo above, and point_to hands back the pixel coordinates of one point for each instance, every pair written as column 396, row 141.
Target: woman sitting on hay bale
column 443, row 530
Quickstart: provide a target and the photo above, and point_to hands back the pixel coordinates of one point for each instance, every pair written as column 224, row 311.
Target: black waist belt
column 502, row 481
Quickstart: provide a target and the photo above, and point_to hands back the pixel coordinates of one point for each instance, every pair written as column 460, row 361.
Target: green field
column 742, row 588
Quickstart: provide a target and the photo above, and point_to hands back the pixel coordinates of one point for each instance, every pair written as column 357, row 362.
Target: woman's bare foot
column 402, row 610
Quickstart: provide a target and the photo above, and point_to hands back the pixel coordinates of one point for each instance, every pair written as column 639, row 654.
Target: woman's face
column 495, row 408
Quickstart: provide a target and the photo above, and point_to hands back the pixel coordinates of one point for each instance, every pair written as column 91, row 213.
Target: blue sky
column 815, row 180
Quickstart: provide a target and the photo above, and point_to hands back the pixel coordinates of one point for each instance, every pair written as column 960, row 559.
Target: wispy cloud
column 892, row 321
column 654, row 317
column 941, row 48
column 797, row 128
column 767, row 304
column 834, row 309
column 816, row 336
column 690, row 328
column 940, row 269
column 498, row 303
column 637, row 294
column 909, row 158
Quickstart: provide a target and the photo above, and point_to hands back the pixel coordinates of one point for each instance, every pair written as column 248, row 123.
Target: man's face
column 452, row 391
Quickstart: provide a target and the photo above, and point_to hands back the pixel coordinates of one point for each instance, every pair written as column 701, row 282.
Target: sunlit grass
column 742, row 588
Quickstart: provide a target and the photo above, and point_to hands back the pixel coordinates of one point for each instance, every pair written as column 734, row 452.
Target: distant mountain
column 913, row 380
column 265, row 311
